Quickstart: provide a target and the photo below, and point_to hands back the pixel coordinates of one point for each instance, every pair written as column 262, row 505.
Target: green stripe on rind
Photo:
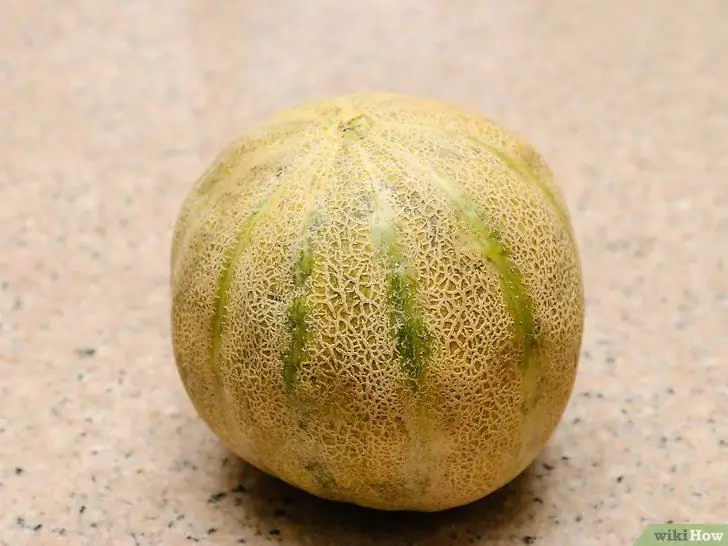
column 523, row 170
column 411, row 335
column 232, row 256
column 412, row 339
column 230, row 259
column 489, row 243
column 517, row 300
column 510, row 162
column 297, row 316
column 225, row 279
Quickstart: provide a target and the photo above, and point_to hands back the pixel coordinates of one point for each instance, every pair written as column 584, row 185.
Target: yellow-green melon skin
column 378, row 299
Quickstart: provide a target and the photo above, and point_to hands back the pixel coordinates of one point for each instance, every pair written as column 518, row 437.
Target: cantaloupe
column 377, row 299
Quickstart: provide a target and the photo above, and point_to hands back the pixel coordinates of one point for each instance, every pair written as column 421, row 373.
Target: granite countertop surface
column 110, row 110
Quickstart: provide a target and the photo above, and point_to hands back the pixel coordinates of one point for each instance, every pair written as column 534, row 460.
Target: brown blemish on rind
column 321, row 475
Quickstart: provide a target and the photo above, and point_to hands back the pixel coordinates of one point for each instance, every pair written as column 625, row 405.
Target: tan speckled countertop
column 110, row 110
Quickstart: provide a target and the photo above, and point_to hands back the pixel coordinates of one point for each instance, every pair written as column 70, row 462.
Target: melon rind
column 377, row 298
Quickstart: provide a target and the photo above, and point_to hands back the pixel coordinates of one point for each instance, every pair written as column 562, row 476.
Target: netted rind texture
column 378, row 299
